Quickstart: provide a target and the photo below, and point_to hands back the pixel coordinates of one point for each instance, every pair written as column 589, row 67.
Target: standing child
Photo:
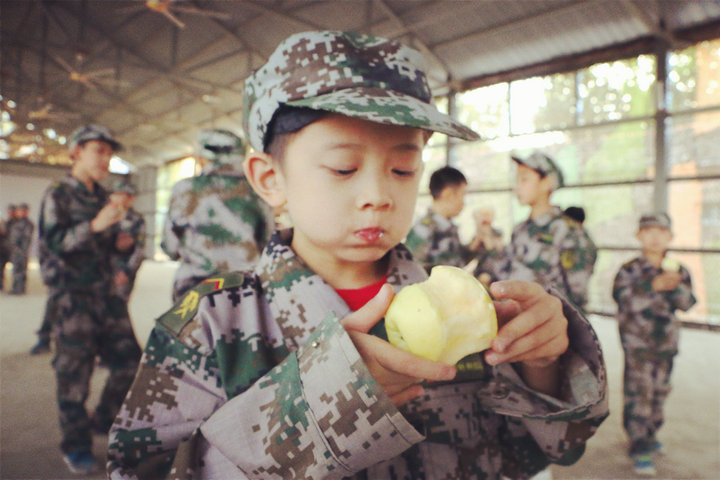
column 130, row 240
column 215, row 222
column 271, row 373
column 553, row 247
column 77, row 235
column 20, row 237
column 648, row 290
column 434, row 239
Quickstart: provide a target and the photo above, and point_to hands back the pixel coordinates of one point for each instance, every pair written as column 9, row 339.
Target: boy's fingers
column 410, row 365
column 528, row 321
column 366, row 317
column 517, row 290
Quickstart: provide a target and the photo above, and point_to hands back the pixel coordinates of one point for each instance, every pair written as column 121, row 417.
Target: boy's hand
column 666, row 281
column 531, row 323
column 109, row 215
column 398, row 372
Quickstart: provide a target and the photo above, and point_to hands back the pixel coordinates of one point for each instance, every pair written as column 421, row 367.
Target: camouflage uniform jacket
column 215, row 223
column 558, row 250
column 71, row 255
column 646, row 318
column 20, row 236
column 434, row 241
column 129, row 262
column 252, row 376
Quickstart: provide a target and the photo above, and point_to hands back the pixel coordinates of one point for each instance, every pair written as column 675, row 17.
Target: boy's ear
column 265, row 178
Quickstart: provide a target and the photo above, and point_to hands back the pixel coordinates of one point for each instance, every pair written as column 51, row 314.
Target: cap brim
column 389, row 108
column 116, row 146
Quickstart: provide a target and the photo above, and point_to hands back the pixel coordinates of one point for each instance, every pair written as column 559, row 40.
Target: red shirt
column 357, row 297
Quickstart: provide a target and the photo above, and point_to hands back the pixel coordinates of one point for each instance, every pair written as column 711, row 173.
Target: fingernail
column 492, row 358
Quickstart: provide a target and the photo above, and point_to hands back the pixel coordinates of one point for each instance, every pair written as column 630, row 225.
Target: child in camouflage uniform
column 434, row 239
column 130, row 240
column 549, row 247
column 271, row 373
column 20, row 236
column 77, row 235
column 648, row 290
column 215, row 222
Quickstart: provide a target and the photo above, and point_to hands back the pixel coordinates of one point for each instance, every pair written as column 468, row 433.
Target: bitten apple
column 669, row 264
column 445, row 318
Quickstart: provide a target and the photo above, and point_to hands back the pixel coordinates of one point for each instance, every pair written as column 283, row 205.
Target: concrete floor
column 29, row 433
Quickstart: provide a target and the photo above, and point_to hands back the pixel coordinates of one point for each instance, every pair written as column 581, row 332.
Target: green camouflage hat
column 353, row 74
column 87, row 133
column 125, row 187
column 220, row 145
column 542, row 164
column 658, row 219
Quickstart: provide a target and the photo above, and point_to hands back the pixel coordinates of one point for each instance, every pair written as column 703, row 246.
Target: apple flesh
column 445, row 318
column 669, row 264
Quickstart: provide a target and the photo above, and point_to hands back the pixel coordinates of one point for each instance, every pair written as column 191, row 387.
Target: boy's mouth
column 370, row 235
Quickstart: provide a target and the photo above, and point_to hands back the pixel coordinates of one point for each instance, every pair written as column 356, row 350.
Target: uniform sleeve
column 58, row 232
column 138, row 253
column 682, row 297
column 172, row 226
column 316, row 414
column 577, row 261
column 556, row 427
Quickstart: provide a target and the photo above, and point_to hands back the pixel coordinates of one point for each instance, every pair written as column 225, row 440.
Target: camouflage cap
column 125, row 187
column 542, row 164
column 87, row 133
column 353, row 74
column 657, row 219
column 219, row 145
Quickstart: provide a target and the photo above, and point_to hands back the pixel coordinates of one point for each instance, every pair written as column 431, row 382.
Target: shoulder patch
column 175, row 319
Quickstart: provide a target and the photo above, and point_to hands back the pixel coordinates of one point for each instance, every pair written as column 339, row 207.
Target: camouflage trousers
column 86, row 325
column 646, row 385
column 20, row 264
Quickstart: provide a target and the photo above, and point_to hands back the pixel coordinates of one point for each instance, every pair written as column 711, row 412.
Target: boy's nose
column 374, row 193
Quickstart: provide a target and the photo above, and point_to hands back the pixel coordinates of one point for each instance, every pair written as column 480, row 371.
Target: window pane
column 616, row 90
column 484, row 167
column 692, row 141
column 695, row 210
column 433, row 158
column 610, row 153
column 542, row 103
column 485, row 110
column 694, row 76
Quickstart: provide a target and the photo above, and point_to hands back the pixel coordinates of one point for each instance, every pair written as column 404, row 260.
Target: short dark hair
column 576, row 213
column 445, row 177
